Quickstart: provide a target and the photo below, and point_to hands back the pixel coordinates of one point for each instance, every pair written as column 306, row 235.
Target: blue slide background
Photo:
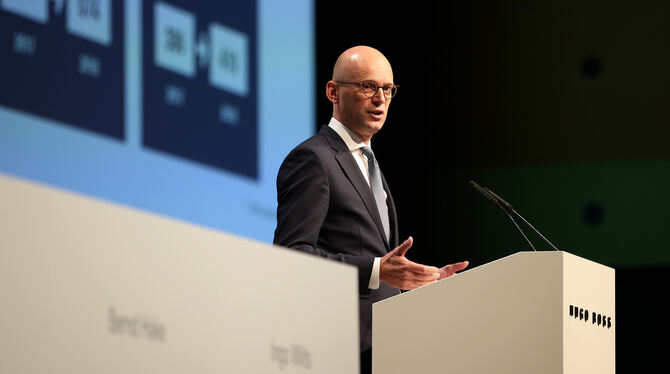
column 49, row 149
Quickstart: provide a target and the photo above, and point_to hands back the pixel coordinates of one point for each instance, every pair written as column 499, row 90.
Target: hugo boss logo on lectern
column 593, row 318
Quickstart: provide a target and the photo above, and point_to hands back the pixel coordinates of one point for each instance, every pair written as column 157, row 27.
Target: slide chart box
column 174, row 48
column 199, row 82
column 68, row 70
column 90, row 19
column 36, row 10
column 229, row 66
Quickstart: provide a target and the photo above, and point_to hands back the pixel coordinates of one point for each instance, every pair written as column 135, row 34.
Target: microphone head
column 483, row 191
column 502, row 201
column 508, row 209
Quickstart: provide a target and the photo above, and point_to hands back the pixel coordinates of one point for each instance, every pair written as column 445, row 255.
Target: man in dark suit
column 329, row 187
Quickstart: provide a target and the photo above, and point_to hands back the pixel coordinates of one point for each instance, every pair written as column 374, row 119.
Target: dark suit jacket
column 326, row 208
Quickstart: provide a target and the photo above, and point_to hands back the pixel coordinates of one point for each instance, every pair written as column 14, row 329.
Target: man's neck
column 351, row 139
column 360, row 136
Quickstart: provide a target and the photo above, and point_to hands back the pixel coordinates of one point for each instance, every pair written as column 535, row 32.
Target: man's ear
column 332, row 91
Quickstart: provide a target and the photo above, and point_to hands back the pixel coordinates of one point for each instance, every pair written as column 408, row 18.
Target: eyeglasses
column 370, row 88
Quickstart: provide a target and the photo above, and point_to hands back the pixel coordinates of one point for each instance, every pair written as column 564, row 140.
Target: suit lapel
column 393, row 223
column 353, row 173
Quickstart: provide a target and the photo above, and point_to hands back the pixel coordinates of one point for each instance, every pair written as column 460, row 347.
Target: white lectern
column 92, row 287
column 531, row 312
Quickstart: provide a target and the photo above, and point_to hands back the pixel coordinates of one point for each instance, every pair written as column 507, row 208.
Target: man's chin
column 374, row 126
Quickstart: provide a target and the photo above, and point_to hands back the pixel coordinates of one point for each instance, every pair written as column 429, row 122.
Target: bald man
column 326, row 195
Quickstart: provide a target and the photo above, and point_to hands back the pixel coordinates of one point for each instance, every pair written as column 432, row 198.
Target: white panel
column 229, row 61
column 90, row 19
column 589, row 343
column 506, row 316
column 174, row 39
column 90, row 287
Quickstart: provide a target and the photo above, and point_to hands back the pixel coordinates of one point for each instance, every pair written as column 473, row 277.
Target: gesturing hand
column 449, row 270
column 399, row 272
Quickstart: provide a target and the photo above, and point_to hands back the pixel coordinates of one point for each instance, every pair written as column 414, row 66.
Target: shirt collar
column 352, row 140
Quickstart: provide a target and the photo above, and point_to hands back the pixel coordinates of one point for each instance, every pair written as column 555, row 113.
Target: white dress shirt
column 354, row 143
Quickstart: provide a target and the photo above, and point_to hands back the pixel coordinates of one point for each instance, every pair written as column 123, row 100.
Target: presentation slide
column 181, row 108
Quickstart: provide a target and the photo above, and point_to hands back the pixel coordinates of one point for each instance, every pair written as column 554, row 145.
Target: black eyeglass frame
column 394, row 88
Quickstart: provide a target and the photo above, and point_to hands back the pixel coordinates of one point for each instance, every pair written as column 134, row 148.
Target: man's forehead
column 373, row 76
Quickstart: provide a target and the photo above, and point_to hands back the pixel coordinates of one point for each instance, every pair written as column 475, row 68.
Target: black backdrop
column 402, row 145
column 499, row 90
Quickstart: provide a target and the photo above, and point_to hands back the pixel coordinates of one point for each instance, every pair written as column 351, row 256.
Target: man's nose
column 378, row 97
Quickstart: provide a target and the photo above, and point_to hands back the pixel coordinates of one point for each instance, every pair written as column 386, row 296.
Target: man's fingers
column 452, row 269
column 404, row 264
column 461, row 265
column 402, row 267
column 458, row 266
column 408, row 284
column 402, row 248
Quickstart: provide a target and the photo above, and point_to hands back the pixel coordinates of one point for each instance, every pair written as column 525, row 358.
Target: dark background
column 560, row 108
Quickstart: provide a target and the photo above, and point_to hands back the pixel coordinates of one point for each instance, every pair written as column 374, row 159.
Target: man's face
column 366, row 115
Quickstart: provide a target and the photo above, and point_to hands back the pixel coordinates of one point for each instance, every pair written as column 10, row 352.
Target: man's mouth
column 376, row 114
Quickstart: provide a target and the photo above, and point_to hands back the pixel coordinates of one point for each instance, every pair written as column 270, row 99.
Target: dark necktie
column 378, row 189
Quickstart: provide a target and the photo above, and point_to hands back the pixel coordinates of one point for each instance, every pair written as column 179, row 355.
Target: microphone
column 509, row 210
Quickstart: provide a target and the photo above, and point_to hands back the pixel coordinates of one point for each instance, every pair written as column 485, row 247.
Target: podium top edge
column 547, row 253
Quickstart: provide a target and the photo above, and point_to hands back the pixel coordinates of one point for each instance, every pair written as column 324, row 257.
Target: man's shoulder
column 318, row 143
column 311, row 156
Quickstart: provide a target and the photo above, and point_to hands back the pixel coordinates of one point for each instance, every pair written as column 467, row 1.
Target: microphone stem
column 522, row 233
column 534, row 229
column 517, row 225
